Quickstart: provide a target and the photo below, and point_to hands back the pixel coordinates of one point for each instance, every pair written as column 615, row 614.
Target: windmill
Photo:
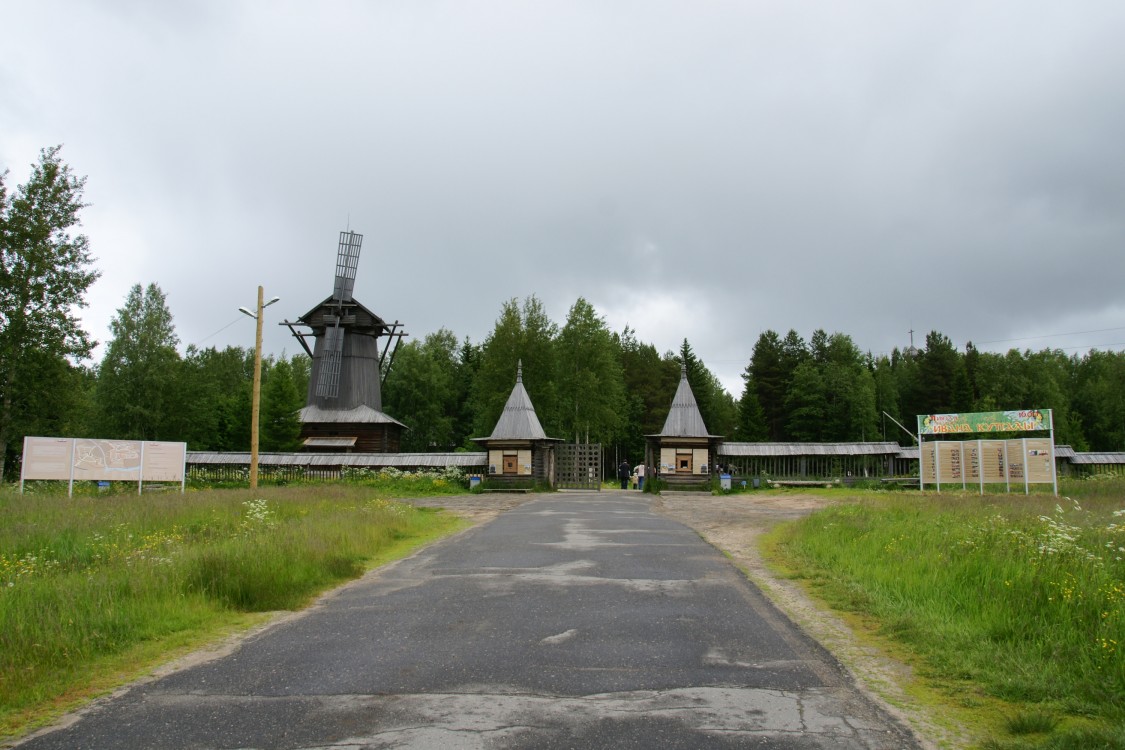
column 352, row 351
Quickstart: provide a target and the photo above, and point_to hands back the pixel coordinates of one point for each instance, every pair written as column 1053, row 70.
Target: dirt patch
column 733, row 524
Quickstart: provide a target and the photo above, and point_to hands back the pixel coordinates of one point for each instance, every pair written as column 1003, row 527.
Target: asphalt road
column 571, row 621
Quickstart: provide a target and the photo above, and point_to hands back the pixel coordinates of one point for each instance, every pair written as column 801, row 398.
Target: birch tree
column 45, row 271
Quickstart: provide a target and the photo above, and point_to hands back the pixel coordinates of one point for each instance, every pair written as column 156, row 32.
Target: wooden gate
column 578, row 466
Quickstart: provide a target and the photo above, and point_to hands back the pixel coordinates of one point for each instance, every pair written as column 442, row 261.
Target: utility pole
column 256, row 396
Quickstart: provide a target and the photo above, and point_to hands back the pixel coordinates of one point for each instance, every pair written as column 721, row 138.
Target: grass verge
column 95, row 591
column 1014, row 606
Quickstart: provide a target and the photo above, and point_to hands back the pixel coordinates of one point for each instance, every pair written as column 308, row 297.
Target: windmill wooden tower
column 351, row 353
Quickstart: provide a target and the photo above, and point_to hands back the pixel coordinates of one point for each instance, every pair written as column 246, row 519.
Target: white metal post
column 23, row 462
column 937, row 464
column 1007, row 469
column 1026, row 484
column 964, row 475
column 980, row 465
column 70, row 487
column 921, row 463
column 1054, row 469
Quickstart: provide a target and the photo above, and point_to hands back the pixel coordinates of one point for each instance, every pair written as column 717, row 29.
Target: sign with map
column 85, row 459
column 107, row 460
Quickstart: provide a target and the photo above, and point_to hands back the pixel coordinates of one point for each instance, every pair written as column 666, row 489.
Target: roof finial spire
column 519, row 371
column 683, row 371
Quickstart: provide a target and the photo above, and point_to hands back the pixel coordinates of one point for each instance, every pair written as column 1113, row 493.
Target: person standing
column 639, row 471
column 623, row 473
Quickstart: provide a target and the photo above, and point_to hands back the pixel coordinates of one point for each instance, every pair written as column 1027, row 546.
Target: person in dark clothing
column 624, row 471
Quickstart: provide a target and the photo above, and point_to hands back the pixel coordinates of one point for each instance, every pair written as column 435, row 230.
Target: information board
column 107, row 460
column 994, row 460
column 164, row 462
column 86, row 459
column 1022, row 461
column 949, row 462
column 1039, row 460
column 47, row 458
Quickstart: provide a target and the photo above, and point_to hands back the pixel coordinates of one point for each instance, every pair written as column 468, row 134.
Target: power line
column 1052, row 335
column 1091, row 346
column 216, row 333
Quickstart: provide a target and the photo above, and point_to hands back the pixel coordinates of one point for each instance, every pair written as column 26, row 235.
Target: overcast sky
column 701, row 170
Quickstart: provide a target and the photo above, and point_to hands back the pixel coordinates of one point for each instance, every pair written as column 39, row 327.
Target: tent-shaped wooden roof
column 518, row 421
column 684, row 419
column 354, row 315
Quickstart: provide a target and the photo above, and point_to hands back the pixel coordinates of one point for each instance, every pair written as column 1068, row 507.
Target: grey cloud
column 867, row 168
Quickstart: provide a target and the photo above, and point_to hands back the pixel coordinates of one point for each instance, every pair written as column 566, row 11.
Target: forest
column 587, row 383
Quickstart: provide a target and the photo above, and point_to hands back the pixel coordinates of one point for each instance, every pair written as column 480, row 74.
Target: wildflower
column 258, row 513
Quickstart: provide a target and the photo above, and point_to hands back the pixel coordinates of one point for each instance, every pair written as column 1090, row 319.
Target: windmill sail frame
column 331, row 360
column 347, row 262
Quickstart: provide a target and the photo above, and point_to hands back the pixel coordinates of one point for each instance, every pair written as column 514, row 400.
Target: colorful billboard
column 1023, row 420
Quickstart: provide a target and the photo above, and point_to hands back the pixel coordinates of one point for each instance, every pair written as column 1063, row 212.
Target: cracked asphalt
column 575, row 620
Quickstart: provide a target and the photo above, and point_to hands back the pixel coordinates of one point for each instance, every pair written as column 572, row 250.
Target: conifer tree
column 589, row 380
column 138, row 393
column 281, row 402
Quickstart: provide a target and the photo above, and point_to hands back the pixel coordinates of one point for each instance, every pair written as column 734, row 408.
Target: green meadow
column 100, row 588
column 1011, row 608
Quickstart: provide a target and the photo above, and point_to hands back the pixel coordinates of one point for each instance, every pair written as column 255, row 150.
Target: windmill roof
column 330, row 301
column 361, row 414
column 684, row 419
column 518, row 421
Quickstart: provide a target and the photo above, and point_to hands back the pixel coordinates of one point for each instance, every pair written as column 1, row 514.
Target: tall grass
column 86, row 580
column 1023, row 596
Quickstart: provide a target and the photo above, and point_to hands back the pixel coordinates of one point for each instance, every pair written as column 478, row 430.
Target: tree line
column 587, row 383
